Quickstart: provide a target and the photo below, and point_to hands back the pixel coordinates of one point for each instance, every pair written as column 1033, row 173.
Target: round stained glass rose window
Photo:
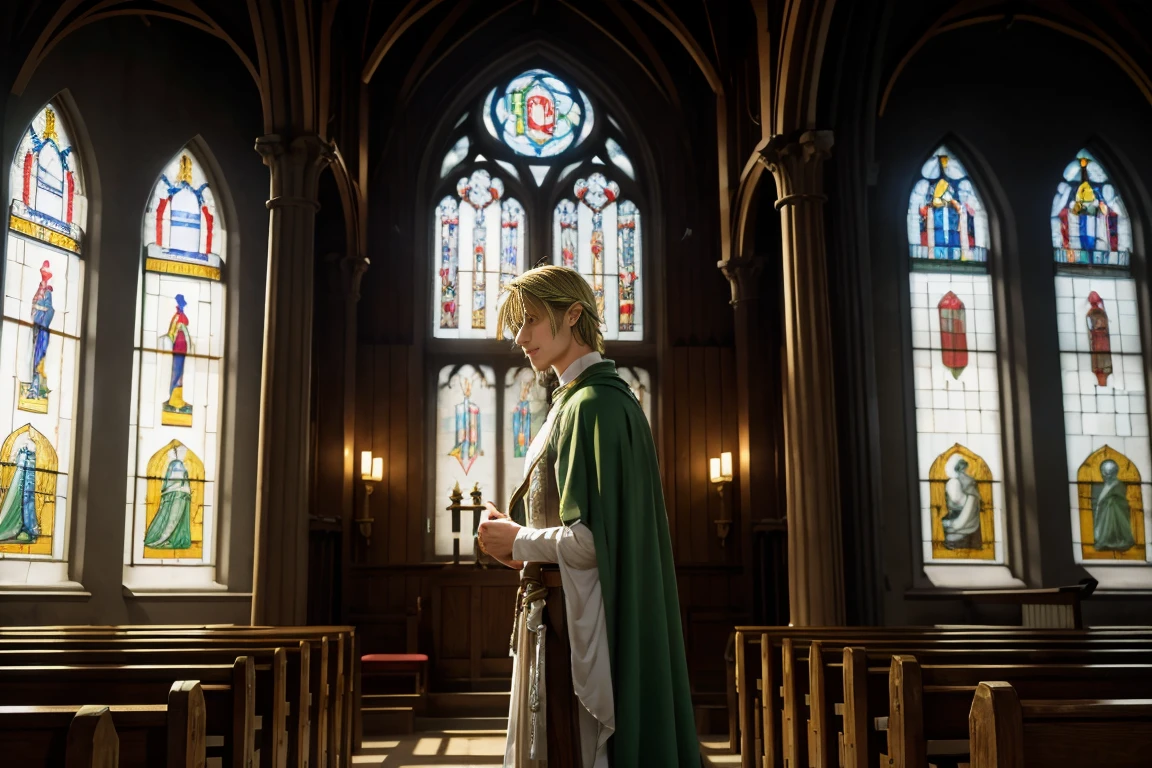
column 538, row 115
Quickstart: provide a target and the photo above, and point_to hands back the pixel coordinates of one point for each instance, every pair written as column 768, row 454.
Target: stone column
column 815, row 559
column 280, row 589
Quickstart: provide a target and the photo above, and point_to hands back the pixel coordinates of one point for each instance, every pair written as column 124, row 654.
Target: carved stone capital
column 295, row 165
column 743, row 277
column 353, row 269
column 797, row 165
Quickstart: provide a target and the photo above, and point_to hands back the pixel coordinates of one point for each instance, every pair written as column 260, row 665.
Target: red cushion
column 393, row 658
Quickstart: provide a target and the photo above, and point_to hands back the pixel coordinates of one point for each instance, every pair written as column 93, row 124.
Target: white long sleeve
column 574, row 544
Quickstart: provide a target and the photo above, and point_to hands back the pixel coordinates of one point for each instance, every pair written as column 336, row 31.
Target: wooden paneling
column 388, row 424
column 699, row 400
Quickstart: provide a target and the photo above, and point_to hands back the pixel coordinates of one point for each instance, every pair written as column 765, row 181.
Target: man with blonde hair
column 591, row 502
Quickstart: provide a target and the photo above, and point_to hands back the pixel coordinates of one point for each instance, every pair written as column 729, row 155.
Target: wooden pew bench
column 168, row 735
column 273, row 692
column 53, row 736
column 1006, row 732
column 343, row 724
column 333, row 717
column 778, row 714
column 758, row 658
column 229, row 695
column 857, row 690
column 929, row 705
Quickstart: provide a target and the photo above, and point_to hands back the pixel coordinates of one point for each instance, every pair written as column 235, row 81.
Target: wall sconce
column 720, row 473
column 371, row 472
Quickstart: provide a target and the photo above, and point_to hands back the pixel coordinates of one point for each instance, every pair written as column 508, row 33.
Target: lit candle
column 365, row 464
column 714, row 469
column 726, row 465
column 377, row 469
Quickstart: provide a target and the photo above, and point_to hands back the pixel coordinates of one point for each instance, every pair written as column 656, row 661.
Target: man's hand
column 496, row 536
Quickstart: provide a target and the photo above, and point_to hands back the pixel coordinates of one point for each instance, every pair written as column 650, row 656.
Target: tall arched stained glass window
column 173, row 493
column 534, row 172
column 40, row 347
column 598, row 233
column 1103, row 370
column 958, row 435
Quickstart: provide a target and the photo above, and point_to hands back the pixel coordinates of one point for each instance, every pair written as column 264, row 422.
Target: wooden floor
column 472, row 749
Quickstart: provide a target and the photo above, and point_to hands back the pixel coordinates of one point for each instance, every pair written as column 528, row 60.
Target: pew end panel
column 92, row 740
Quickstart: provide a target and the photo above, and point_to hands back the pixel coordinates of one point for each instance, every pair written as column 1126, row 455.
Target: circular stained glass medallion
column 539, row 115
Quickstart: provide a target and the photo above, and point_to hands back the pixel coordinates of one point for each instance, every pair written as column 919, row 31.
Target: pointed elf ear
column 574, row 313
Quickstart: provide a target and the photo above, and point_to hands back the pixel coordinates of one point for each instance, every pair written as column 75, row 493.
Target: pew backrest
column 1005, row 732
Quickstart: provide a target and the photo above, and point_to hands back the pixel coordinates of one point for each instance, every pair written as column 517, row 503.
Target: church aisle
column 474, row 749
column 433, row 749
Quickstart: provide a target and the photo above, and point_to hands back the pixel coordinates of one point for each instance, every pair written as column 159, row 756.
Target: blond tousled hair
column 555, row 289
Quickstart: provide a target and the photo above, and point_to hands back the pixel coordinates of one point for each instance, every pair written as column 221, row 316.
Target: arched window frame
column 1120, row 286
column 63, row 240
column 148, row 570
column 538, row 198
column 1004, row 568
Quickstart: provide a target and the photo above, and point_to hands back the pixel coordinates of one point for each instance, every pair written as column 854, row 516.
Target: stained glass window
column 957, row 391
column 488, row 229
column 504, row 172
column 40, row 346
column 454, row 156
column 466, row 455
column 1102, row 367
column 600, row 235
column 619, row 158
column 177, row 373
column 525, row 408
column 538, row 114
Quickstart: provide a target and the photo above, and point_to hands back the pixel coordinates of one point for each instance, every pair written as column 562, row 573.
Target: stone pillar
column 815, row 558
column 280, row 589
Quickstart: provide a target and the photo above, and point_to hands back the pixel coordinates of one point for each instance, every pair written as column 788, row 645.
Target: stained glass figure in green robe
column 171, row 528
column 1111, row 515
column 18, row 521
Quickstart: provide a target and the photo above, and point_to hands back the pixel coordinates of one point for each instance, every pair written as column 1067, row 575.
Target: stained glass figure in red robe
column 947, row 222
column 1089, row 228
column 176, row 411
column 953, row 334
column 1099, row 342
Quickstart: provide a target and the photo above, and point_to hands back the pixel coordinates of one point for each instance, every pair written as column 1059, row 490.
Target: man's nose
column 522, row 336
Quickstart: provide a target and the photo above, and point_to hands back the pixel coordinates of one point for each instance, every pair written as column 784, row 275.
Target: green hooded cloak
column 608, row 477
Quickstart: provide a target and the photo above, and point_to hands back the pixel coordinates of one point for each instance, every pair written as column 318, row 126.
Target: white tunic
column 574, row 550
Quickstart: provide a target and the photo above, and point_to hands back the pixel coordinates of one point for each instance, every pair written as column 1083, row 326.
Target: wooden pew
column 856, row 684
column 1006, row 732
column 344, row 710
column 229, row 695
column 272, row 691
column 784, row 678
column 929, row 705
column 334, row 684
column 171, row 735
column 756, row 663
column 44, row 736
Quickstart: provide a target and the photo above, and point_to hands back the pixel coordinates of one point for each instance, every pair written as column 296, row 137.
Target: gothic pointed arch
column 40, row 340
column 956, row 371
column 176, row 418
column 533, row 169
column 1102, row 363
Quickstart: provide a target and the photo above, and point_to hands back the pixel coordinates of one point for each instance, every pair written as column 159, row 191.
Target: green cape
column 608, row 477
